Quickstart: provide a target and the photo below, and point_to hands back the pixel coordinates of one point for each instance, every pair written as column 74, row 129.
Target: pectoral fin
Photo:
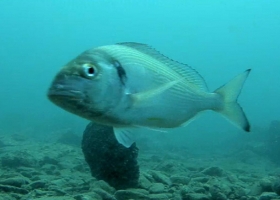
column 140, row 97
column 124, row 136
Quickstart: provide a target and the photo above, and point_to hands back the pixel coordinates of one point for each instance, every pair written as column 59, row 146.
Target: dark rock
column 213, row 171
column 276, row 187
column 7, row 188
column 127, row 194
column 109, row 160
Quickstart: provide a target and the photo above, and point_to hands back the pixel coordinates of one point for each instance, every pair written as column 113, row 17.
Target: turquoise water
column 218, row 38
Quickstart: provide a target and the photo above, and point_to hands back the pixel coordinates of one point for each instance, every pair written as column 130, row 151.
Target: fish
column 130, row 86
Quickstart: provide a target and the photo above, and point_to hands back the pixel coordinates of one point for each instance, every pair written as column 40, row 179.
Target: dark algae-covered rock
column 109, row 160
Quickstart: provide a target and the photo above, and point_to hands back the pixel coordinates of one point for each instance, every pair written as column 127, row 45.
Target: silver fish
column 131, row 85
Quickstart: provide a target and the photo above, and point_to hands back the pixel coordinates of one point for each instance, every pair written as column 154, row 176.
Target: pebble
column 157, row 188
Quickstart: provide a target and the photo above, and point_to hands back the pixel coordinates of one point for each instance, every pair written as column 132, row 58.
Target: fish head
column 87, row 86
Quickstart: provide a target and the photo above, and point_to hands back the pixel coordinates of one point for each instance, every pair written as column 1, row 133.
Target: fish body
column 132, row 85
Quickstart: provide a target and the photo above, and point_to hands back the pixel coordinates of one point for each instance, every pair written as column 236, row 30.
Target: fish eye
column 89, row 70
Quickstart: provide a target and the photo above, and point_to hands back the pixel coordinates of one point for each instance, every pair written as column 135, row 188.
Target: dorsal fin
column 186, row 71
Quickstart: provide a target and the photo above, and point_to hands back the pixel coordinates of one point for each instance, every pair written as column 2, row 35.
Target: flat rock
column 38, row 184
column 196, row 196
column 144, row 182
column 55, row 198
column 269, row 196
column 157, row 188
column 164, row 196
column 16, row 181
column 180, row 180
column 161, row 178
column 200, row 179
column 127, row 195
column 7, row 188
column 213, row 171
column 102, row 185
column 103, row 194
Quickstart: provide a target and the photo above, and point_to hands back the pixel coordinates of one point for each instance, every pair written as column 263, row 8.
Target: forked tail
column 230, row 108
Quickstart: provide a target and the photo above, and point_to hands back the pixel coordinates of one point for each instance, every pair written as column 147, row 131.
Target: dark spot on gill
column 121, row 72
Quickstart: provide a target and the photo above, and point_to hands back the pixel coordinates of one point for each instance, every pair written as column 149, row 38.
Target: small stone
column 161, row 178
column 139, row 190
column 199, row 190
column 185, row 190
column 103, row 194
column 16, row 181
column 59, row 182
column 37, row 184
column 200, row 179
column 266, row 184
column 195, row 196
column 268, row 196
column 7, row 188
column 219, row 196
column 164, row 196
column 127, row 195
column 102, row 185
column 180, row 180
column 213, row 171
column 55, row 198
column 157, row 188
column 88, row 196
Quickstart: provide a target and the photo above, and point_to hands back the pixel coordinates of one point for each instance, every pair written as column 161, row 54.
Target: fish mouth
column 65, row 90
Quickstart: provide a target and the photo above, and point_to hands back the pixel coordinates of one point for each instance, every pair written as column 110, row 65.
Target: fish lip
column 64, row 93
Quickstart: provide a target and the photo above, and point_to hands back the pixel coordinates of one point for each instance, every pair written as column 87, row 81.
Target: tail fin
column 231, row 109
